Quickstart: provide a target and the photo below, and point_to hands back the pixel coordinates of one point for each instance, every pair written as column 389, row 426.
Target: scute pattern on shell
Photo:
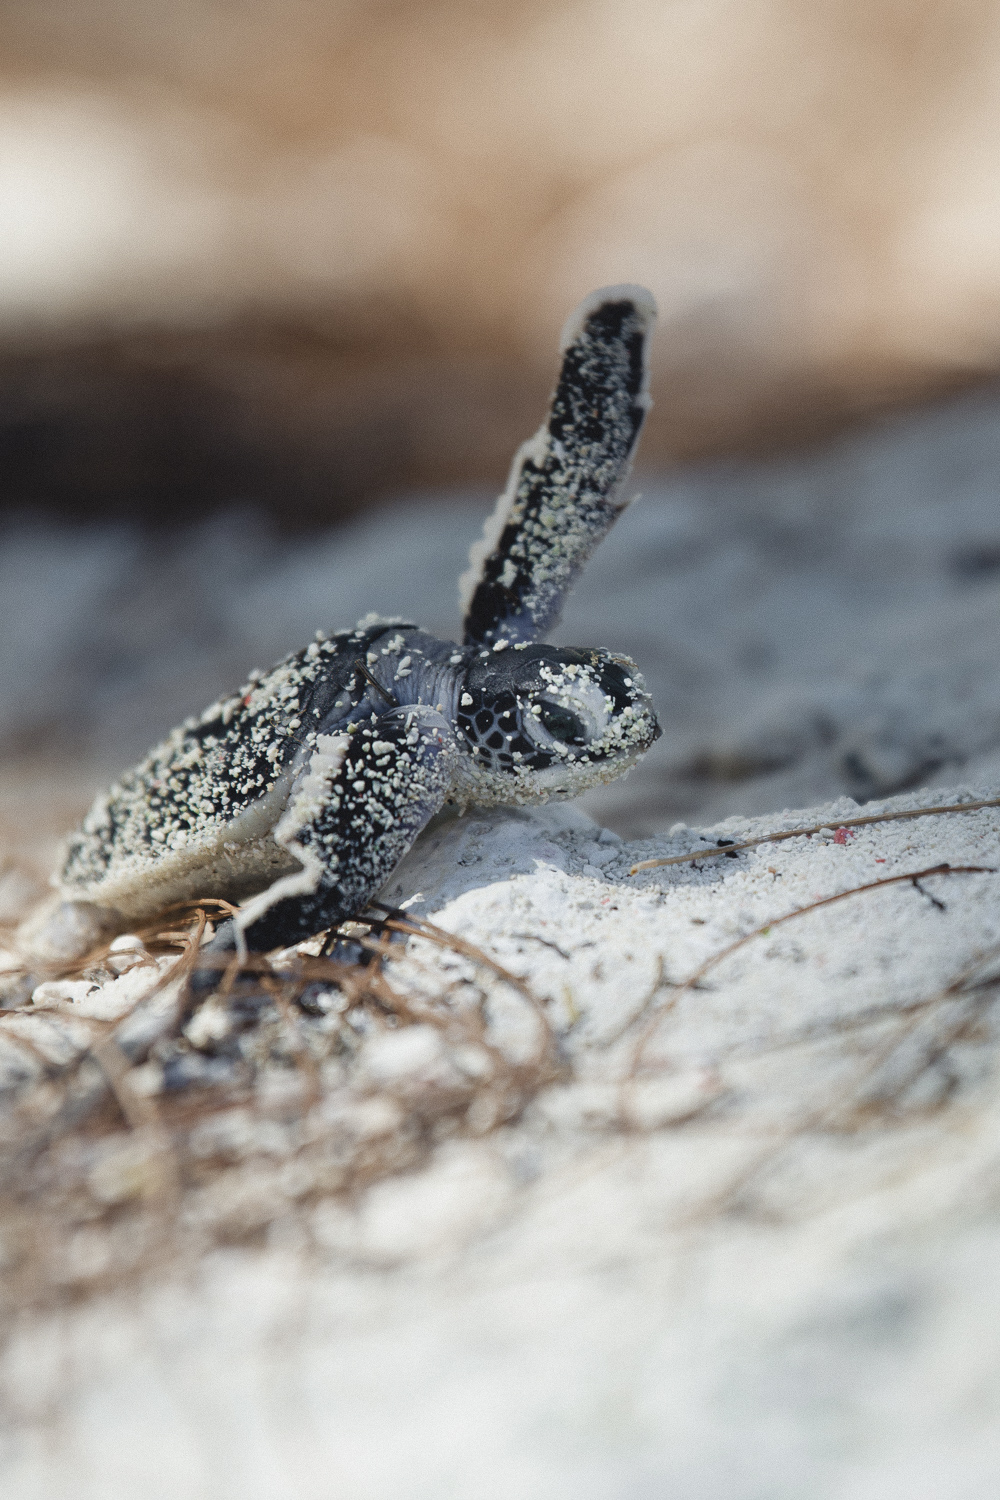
column 209, row 782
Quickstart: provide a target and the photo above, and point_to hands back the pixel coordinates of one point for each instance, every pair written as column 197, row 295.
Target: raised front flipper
column 563, row 493
column 353, row 814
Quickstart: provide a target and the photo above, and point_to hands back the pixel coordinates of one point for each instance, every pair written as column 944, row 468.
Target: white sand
column 765, row 1266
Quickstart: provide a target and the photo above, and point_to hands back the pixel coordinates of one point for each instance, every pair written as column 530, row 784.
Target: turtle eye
column 562, row 724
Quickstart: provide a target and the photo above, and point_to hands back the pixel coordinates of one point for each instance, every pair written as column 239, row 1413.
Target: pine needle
column 797, row 833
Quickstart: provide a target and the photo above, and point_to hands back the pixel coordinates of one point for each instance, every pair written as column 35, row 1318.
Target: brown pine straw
column 418, row 927
column 973, row 982
column 714, row 850
column 161, row 1125
column 359, row 983
column 912, row 877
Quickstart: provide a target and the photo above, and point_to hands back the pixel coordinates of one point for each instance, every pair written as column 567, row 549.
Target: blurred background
column 280, row 290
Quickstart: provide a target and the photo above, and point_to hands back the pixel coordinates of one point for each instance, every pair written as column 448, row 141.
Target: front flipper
column 354, row 812
column 562, row 496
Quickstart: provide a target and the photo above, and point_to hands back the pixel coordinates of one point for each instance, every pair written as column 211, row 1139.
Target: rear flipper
column 352, row 816
column 564, row 489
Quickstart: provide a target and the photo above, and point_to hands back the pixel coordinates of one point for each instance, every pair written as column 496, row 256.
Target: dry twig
column 711, row 851
column 912, row 877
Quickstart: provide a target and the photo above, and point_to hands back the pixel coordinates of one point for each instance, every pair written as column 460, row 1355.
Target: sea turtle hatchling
column 298, row 795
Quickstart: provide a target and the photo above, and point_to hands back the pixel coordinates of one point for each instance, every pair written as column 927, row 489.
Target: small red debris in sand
column 842, row 835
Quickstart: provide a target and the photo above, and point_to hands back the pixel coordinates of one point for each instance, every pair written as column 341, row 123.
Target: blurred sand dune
column 328, row 220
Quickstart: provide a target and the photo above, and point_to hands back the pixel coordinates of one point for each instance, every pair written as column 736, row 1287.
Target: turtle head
column 545, row 721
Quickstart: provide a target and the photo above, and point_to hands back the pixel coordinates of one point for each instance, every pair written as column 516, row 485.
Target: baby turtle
column 298, row 795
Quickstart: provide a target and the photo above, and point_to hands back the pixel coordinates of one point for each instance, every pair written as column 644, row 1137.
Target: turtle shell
column 196, row 817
